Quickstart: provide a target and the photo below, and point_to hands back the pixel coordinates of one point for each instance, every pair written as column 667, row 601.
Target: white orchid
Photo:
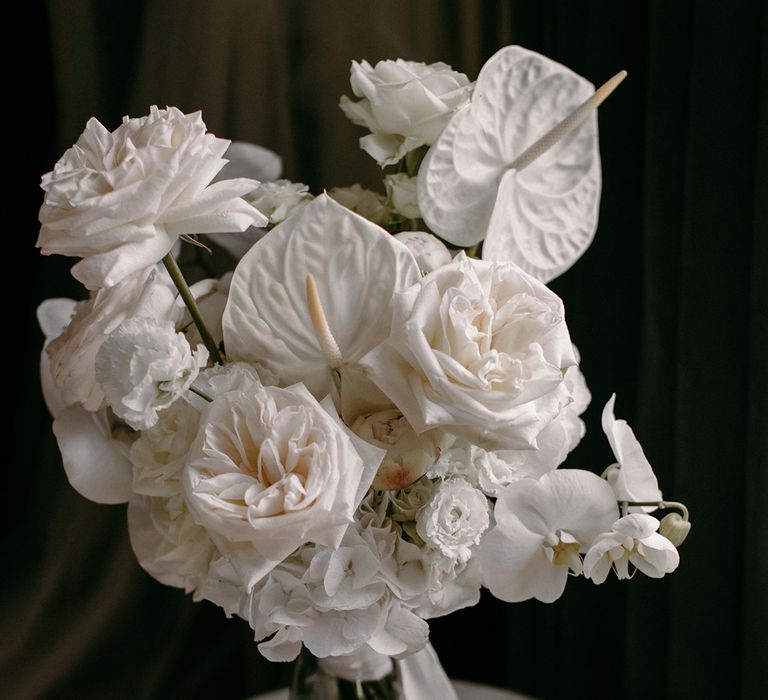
column 633, row 540
column 633, row 478
column 541, row 529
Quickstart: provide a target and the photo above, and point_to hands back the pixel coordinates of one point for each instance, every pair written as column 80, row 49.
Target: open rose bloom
column 357, row 428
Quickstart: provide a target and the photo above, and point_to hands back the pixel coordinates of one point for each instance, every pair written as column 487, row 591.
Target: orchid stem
column 664, row 505
column 186, row 295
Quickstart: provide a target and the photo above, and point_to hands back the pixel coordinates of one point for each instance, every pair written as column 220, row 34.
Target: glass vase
column 311, row 681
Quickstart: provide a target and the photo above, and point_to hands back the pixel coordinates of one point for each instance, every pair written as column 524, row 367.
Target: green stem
column 186, row 295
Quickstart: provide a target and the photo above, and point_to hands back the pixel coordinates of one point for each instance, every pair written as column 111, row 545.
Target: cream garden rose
column 480, row 350
column 404, row 104
column 272, row 469
column 120, row 200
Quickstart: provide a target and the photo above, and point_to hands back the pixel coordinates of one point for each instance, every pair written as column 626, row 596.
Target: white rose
column 143, row 367
column 430, row 252
column 454, row 519
column 279, row 199
column 405, row 104
column 369, row 204
column 401, row 190
column 408, row 456
column 480, row 350
column 272, row 469
column 72, row 354
column 120, row 200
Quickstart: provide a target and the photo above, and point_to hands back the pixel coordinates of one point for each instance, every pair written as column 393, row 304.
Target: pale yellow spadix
column 328, row 345
column 560, row 130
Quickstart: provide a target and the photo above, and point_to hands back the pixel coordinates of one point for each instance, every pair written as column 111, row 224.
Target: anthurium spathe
column 357, row 268
column 472, row 186
column 541, row 529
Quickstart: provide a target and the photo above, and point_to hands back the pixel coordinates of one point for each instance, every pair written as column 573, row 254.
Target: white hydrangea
column 143, row 367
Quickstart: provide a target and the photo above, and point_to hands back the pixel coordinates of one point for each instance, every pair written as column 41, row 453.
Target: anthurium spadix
column 356, row 267
column 491, row 175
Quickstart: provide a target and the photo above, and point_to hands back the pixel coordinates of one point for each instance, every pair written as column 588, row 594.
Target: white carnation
column 143, row 367
column 454, row 519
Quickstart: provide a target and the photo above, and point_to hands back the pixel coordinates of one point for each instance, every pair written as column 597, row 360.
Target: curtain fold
column 669, row 308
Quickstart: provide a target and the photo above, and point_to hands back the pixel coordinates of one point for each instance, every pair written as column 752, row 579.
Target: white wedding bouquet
column 362, row 424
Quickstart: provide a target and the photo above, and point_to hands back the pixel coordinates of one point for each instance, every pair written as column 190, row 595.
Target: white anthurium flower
column 272, row 469
column 144, row 366
column 634, row 479
column 472, row 185
column 454, row 519
column 357, row 268
column 405, row 104
column 72, row 353
column 120, row 200
column 479, row 350
column 430, row 252
column 541, row 528
column 409, row 455
column 93, row 454
column 633, row 540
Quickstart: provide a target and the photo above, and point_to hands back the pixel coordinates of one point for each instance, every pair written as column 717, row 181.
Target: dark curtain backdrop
column 668, row 307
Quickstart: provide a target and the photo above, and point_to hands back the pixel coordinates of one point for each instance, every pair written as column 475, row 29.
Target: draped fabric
column 668, row 307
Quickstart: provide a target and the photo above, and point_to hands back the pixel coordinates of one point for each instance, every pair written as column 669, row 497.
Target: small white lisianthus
column 401, row 191
column 279, row 199
column 409, row 455
column 454, row 519
column 633, row 540
column 144, row 366
column 369, row 204
column 405, row 104
column 480, row 350
column 541, row 529
column 121, row 200
column 272, row 469
column 632, row 479
column 430, row 252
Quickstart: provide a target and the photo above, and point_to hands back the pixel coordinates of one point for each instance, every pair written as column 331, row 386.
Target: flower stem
column 186, row 295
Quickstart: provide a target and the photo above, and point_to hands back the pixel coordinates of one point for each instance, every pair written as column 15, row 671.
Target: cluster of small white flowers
column 382, row 433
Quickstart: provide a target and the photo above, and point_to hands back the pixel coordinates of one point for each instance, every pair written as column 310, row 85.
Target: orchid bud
column 674, row 528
